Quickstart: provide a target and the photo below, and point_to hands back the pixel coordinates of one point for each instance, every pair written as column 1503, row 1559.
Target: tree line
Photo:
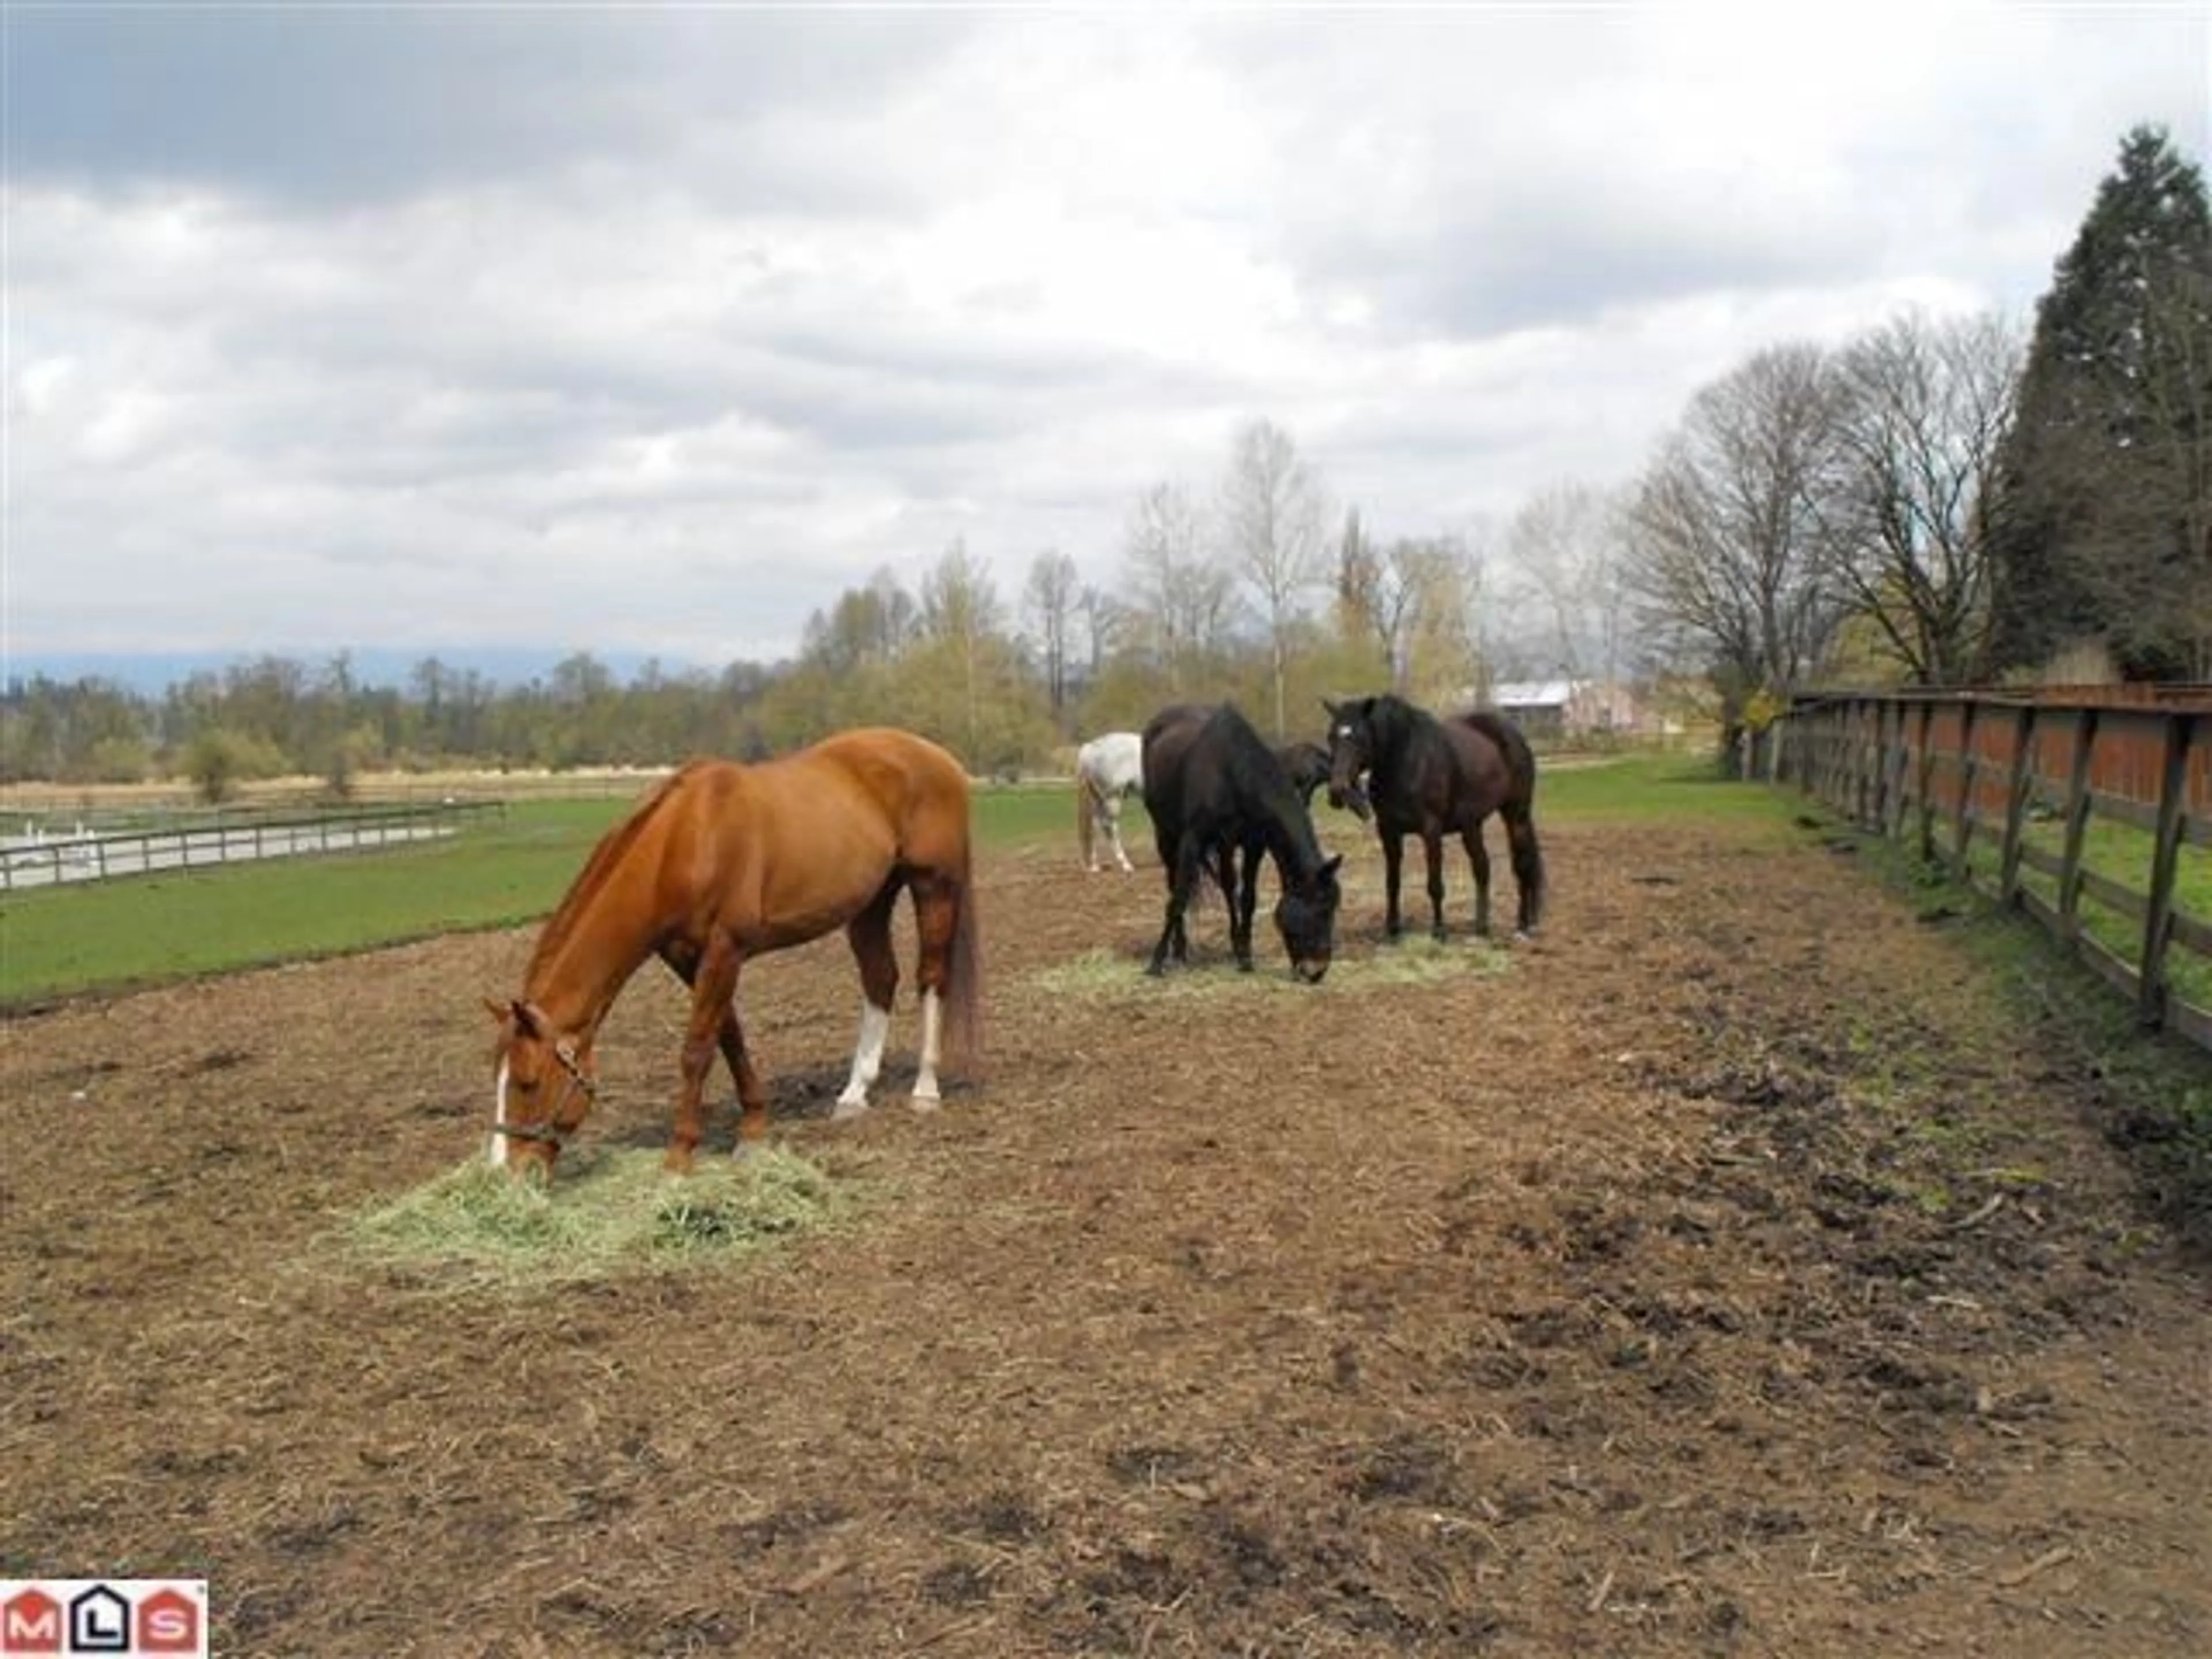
column 1939, row 501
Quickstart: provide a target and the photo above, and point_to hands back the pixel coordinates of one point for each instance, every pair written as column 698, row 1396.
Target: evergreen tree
column 2101, row 520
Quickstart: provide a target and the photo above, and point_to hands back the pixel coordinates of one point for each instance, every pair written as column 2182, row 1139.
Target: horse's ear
column 1329, row 869
column 527, row 1018
column 1331, row 707
column 495, row 1007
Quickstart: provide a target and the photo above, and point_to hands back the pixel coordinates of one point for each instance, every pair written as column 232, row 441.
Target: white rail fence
column 39, row 858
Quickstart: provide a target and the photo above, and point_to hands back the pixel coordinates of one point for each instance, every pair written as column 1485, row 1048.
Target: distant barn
column 1550, row 710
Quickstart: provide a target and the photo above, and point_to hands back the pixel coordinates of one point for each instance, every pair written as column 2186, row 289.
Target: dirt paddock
column 1723, row 1277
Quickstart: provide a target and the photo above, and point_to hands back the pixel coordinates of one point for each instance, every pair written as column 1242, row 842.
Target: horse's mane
column 1397, row 722
column 612, row 848
column 1256, row 773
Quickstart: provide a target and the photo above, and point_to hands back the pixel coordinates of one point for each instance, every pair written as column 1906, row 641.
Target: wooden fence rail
column 2023, row 797
column 46, row 861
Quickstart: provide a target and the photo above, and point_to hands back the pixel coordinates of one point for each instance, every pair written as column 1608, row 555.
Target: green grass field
column 103, row 936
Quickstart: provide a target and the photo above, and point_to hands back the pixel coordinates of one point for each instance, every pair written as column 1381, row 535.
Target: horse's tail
column 1086, row 813
column 1518, row 809
column 963, row 968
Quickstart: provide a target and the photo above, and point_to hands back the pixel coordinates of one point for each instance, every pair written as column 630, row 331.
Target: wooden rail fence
column 2003, row 791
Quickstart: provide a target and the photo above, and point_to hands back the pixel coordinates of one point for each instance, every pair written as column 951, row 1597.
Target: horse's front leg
column 1478, row 855
column 1112, row 812
column 1432, row 856
column 752, row 1098
column 1225, row 878
column 713, row 989
column 1248, row 902
column 1393, row 857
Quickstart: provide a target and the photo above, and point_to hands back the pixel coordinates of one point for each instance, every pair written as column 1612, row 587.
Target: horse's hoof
column 676, row 1161
column 925, row 1103
column 848, row 1107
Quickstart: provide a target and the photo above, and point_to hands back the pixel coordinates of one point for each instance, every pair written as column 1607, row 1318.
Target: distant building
column 1573, row 708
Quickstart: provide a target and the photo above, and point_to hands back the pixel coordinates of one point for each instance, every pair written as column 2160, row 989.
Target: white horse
column 1108, row 768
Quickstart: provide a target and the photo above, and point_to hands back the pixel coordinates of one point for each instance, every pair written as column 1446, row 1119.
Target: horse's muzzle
column 1310, row 969
column 1351, row 796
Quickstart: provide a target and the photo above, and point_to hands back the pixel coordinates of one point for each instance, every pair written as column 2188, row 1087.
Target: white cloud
column 651, row 333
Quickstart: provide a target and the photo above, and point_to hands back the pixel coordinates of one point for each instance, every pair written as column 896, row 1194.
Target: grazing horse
column 1108, row 768
column 1215, row 793
column 1431, row 778
column 723, row 863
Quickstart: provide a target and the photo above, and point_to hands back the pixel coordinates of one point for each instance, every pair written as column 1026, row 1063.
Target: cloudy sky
column 647, row 332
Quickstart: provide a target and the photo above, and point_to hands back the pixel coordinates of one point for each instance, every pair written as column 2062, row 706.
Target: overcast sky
column 636, row 331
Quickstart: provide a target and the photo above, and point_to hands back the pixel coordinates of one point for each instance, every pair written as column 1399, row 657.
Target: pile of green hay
column 1415, row 960
column 606, row 1214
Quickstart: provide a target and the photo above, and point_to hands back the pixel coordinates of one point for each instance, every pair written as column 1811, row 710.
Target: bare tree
column 1049, row 602
column 1565, row 544
column 1924, row 408
column 961, row 614
column 1271, row 521
column 1178, row 595
column 1725, row 526
column 1439, row 650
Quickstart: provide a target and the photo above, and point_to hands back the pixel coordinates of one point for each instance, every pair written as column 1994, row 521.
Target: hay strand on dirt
column 606, row 1214
column 1415, row 960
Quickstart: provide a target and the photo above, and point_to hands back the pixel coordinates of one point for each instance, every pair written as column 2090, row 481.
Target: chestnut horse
column 723, row 863
column 1430, row 778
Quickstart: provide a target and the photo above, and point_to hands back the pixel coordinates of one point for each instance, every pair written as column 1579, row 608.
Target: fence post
column 2165, row 862
column 2077, row 824
column 1865, row 767
column 1923, row 781
column 2016, row 793
column 1962, row 825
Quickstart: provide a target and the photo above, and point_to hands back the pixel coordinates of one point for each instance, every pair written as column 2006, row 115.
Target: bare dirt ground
column 1723, row 1278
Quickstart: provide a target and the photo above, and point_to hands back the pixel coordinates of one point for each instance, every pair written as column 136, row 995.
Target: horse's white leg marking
column 925, row 1077
column 1114, row 835
column 867, row 1061
column 497, row 1151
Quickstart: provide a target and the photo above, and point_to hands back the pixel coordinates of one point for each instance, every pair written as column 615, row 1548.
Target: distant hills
column 151, row 673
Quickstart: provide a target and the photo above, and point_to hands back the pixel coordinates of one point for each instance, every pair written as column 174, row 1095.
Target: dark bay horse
column 1306, row 765
column 724, row 863
column 1218, row 794
column 1431, row 778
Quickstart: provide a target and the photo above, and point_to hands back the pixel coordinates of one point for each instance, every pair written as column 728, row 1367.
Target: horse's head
column 1306, row 915
column 543, row 1083
column 1350, row 752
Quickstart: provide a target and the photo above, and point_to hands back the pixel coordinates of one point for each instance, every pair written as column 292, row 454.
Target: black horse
column 1430, row 778
column 1306, row 765
column 1216, row 794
